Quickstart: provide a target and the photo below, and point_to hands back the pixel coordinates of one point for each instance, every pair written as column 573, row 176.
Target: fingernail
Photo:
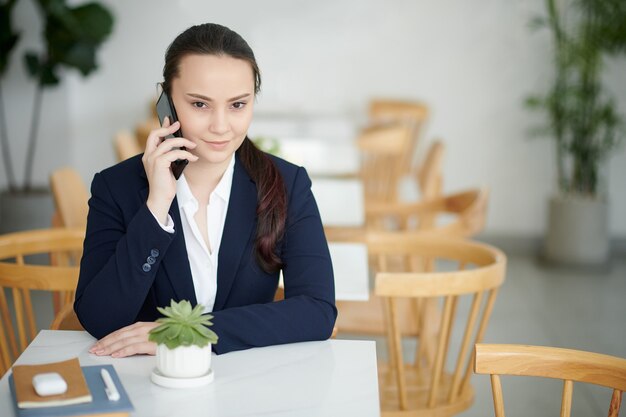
column 99, row 351
column 115, row 354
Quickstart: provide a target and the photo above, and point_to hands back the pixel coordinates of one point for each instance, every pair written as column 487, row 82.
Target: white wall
column 18, row 93
column 473, row 62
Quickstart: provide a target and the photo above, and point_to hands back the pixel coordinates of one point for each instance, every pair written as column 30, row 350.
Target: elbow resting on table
column 330, row 313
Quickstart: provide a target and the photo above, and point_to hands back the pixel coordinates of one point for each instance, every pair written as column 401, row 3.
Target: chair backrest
column 410, row 113
column 452, row 283
column 550, row 362
column 70, row 198
column 381, row 148
column 143, row 129
column 71, row 207
column 22, row 269
column 466, row 213
column 126, row 145
column 430, row 172
column 66, row 319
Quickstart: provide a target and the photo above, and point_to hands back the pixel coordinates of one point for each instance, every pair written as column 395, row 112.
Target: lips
column 217, row 144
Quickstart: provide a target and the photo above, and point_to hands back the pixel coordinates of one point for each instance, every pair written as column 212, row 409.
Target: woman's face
column 214, row 98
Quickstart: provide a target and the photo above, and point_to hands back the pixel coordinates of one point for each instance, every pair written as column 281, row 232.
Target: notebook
column 77, row 390
column 99, row 406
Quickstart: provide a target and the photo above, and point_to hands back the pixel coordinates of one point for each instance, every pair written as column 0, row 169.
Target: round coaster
column 168, row 382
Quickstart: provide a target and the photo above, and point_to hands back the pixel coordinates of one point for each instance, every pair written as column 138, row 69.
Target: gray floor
column 540, row 306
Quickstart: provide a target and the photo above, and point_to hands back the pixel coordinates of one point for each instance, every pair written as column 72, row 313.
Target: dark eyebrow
column 205, row 98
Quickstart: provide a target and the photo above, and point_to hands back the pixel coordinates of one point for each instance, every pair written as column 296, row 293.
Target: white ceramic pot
column 578, row 232
column 183, row 361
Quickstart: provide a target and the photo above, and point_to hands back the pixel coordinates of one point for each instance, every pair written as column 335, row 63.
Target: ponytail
column 271, row 204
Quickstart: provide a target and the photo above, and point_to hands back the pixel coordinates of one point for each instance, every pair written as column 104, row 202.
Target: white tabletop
column 351, row 271
column 321, row 158
column 330, row 378
column 340, row 201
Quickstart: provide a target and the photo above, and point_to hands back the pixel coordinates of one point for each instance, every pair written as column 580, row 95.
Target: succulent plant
column 183, row 326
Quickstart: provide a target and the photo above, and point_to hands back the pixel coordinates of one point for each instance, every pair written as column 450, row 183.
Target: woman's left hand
column 127, row 341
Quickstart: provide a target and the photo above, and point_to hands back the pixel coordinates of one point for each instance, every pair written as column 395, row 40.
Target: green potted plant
column 71, row 38
column 183, row 341
column 583, row 121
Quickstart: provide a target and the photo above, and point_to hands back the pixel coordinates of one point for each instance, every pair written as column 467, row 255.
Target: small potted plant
column 183, row 341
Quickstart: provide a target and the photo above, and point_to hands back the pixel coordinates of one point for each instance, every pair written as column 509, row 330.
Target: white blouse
column 203, row 260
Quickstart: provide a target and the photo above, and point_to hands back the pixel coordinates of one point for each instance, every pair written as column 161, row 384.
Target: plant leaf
column 176, row 308
column 31, row 60
column 185, row 308
column 174, row 331
column 186, row 336
column 96, row 22
column 8, row 38
column 164, row 311
column 81, row 56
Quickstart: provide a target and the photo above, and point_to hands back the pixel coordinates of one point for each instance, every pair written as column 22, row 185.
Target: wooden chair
column 429, row 173
column 70, row 198
column 465, row 281
column 126, row 145
column 409, row 113
column 466, row 213
column 550, row 362
column 143, row 129
column 66, row 319
column 19, row 273
column 461, row 214
column 381, row 148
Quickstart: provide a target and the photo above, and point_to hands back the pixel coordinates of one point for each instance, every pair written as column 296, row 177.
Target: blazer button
column 154, row 253
column 146, row 267
column 150, row 260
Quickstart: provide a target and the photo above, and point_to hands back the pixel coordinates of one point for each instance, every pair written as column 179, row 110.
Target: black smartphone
column 165, row 108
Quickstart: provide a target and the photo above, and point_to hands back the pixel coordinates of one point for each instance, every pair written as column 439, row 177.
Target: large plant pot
column 25, row 210
column 577, row 233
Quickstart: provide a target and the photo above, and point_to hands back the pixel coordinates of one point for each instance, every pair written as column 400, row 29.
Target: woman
column 220, row 234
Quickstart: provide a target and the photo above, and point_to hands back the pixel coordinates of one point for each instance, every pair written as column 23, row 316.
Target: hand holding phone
column 165, row 108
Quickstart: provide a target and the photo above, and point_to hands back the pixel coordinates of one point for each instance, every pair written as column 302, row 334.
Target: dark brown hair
column 213, row 39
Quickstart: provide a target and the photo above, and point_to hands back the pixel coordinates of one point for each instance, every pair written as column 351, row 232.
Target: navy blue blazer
column 130, row 265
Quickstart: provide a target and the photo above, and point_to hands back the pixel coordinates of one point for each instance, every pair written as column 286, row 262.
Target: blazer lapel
column 176, row 262
column 239, row 225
